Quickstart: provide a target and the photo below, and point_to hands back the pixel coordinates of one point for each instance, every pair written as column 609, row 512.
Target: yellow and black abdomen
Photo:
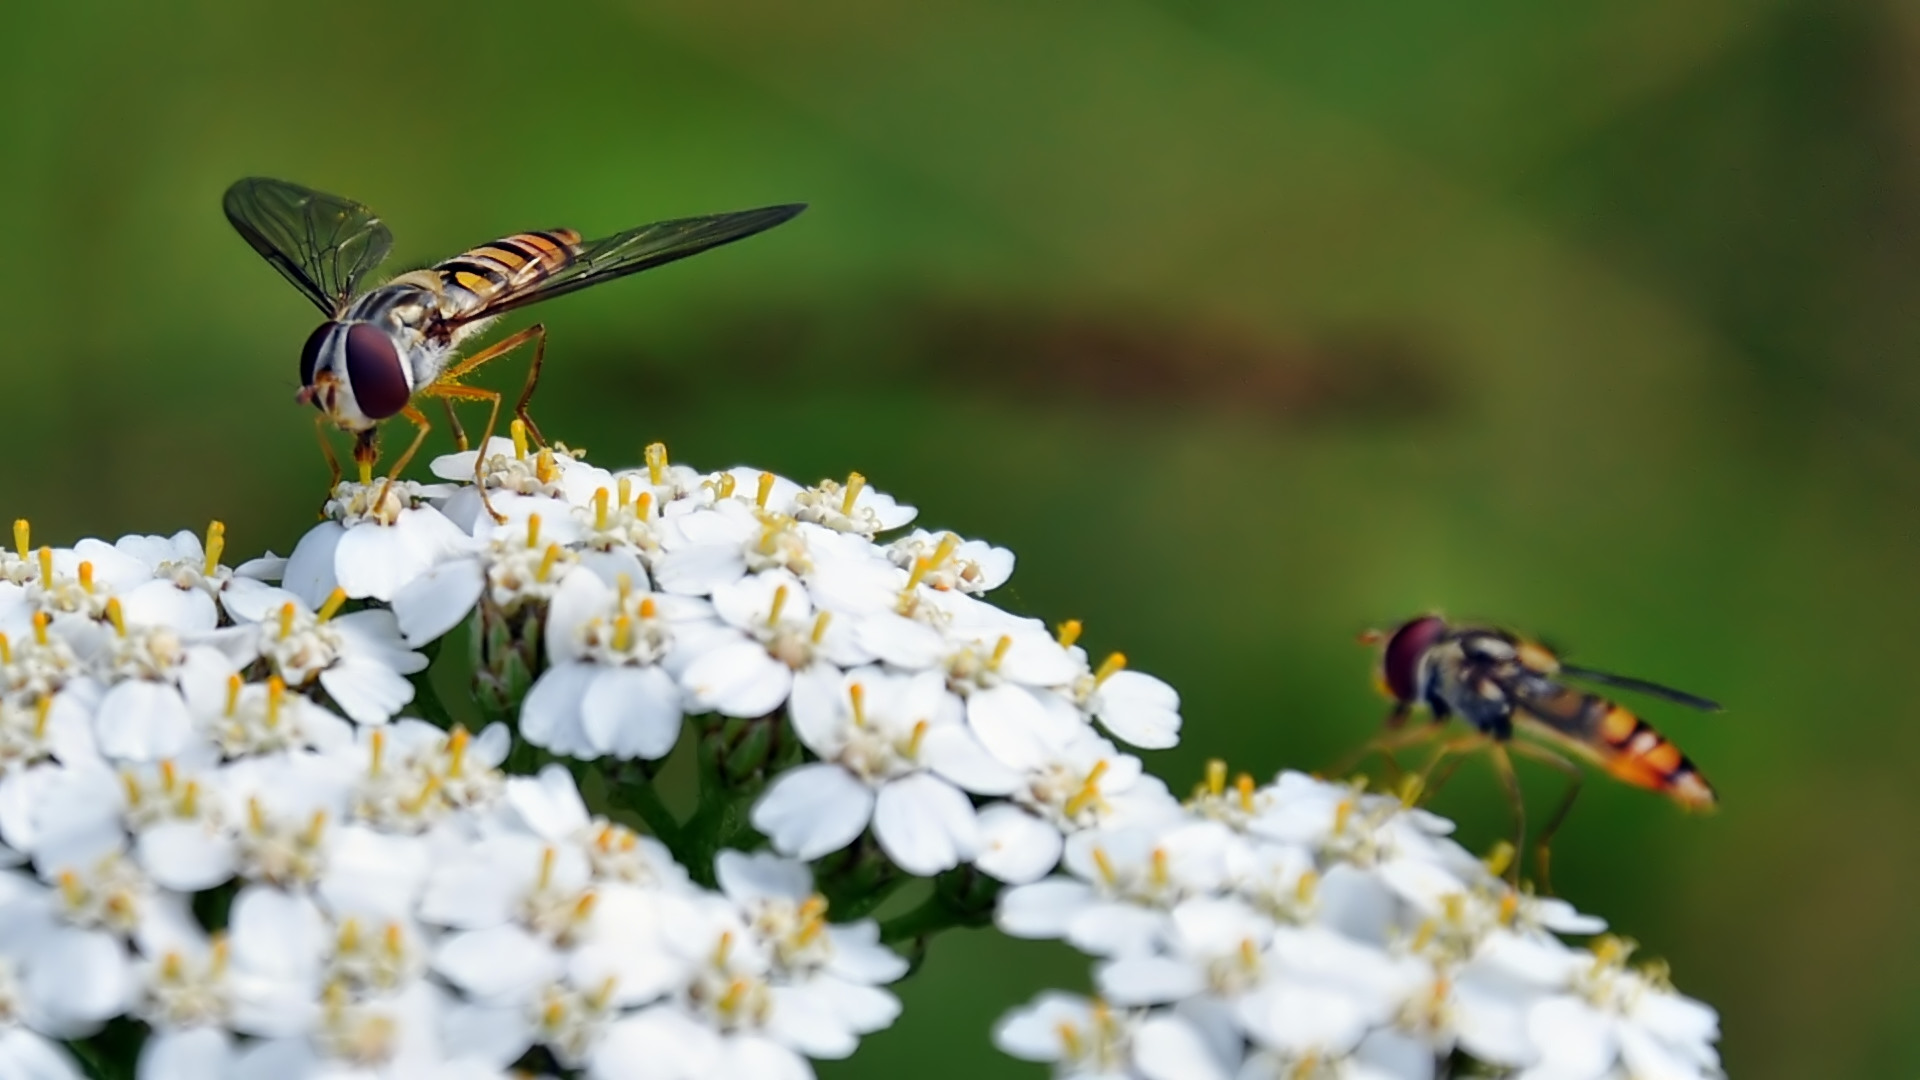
column 1626, row 746
column 505, row 267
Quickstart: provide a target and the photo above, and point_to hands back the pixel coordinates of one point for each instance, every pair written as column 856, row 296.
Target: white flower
column 1124, row 884
column 359, row 658
column 968, row 566
column 378, row 538
column 779, row 633
column 157, row 682
column 851, row 508
column 57, row 978
column 893, row 755
column 1604, row 1018
column 518, row 480
column 610, row 690
column 517, row 567
column 1084, row 1040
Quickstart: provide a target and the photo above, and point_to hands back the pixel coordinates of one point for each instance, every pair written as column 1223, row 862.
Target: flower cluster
column 237, row 822
column 1308, row 930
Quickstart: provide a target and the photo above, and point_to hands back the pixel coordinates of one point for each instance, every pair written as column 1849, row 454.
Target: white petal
column 1140, row 710
column 630, row 712
column 82, row 975
column 185, row 855
column 496, row 964
column 580, row 597
column 437, row 600
column 1014, row 727
column 1573, row 1038
column 1043, row 909
column 367, row 691
column 550, row 716
column 698, row 571
column 1169, row 1048
column 309, row 574
column 924, row 824
column 162, row 603
column 1148, row 980
column 376, row 561
column 813, row 809
column 278, row 934
column 1015, row 846
column 142, row 721
column 204, row 1053
column 548, row 802
column 745, row 878
column 951, row 751
column 739, row 679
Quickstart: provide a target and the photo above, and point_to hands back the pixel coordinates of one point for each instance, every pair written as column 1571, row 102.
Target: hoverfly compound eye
column 1400, row 660
column 375, row 372
column 310, row 353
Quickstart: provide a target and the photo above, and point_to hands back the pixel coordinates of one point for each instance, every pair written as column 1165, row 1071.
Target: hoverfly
column 1499, row 682
column 382, row 347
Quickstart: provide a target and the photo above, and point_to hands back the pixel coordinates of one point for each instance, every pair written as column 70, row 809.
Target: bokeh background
column 1247, row 325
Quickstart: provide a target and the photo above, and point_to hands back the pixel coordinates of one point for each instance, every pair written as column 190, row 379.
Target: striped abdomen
column 1621, row 743
column 505, row 267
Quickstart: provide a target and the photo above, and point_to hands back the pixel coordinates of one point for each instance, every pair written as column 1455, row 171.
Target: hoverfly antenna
column 1371, row 637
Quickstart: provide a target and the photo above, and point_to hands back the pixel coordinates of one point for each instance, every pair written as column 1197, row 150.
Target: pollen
column 40, row 620
column 1000, row 651
column 600, row 508
column 858, row 695
column 919, row 735
column 216, row 546
column 547, row 560
column 46, row 565
column 1089, row 793
column 819, row 628
column 656, row 457
column 724, row 488
column 22, row 538
column 1111, row 664
column 42, row 709
column 116, row 617
column 6, row 650
column 287, row 612
column 533, row 531
column 779, row 602
column 648, row 609
column 457, row 751
column 518, row 431
column 623, row 491
column 544, row 470
column 276, row 693
column 1216, row 782
column 642, row 504
column 86, row 576
column 1103, row 863
column 1068, row 633
column 764, row 490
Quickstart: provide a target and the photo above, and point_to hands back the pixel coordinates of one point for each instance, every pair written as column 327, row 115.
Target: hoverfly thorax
column 355, row 372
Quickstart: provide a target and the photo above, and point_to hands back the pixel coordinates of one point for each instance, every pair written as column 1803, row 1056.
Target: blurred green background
column 1247, row 326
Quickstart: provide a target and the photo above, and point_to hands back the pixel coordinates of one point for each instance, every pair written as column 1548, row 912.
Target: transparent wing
column 322, row 243
column 640, row 249
column 1642, row 686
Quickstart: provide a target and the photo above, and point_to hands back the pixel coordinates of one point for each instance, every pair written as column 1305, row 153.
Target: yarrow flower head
column 239, row 806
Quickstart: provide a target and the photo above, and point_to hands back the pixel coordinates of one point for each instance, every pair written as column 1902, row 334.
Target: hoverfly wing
column 322, row 243
column 1641, row 686
column 635, row 250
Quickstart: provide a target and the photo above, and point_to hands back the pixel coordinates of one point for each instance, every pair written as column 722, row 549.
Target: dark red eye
column 1400, row 661
column 375, row 373
column 310, row 353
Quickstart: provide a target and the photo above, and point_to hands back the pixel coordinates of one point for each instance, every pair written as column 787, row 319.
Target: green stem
column 640, row 796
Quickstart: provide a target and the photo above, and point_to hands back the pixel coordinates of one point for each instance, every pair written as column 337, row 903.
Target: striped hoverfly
column 384, row 346
column 1498, row 683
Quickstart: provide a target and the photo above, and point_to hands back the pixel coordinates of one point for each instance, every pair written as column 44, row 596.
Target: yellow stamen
column 116, row 616
column 643, row 505
column 779, row 601
column 1341, row 814
column 132, row 785
column 920, row 568
column 730, row 1001
column 6, row 650
column 533, row 531
column 724, row 489
column 600, row 508
column 1000, row 651
column 349, row 937
column 256, row 815
column 46, row 566
column 1244, row 783
column 276, row 693
column 1412, row 786
column 376, row 751
column 332, row 607
column 518, row 431
column 547, row 560
column 287, row 611
column 316, row 825
column 1509, row 907
column 234, row 684
column 1500, row 858
column 218, row 962
column 190, row 799
column 819, row 628
column 624, row 585
column 425, row 795
column 913, row 743
column 457, row 750
column 1070, row 1041
column 648, row 609
column 623, row 491
column 1216, row 777
column 70, row 888
column 1249, row 954
column 171, row 966
column 393, row 940
column 1158, row 872
column 858, row 695
column 1089, row 792
column 86, row 576
column 40, row 621
column 855, row 482
column 169, row 775
column 1111, row 664
column 22, row 537
column 1104, row 864
column 366, row 473
column 544, row 469
column 722, row 948
column 216, row 546
column 1423, row 936
column 656, row 462
column 602, row 994
column 41, row 709
column 764, row 490
column 623, row 633
column 1068, row 633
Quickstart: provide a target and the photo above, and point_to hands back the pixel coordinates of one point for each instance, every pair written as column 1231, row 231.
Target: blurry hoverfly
column 1499, row 682
column 382, row 347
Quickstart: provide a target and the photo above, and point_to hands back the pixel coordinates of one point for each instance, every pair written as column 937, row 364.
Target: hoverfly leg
column 1384, row 745
column 539, row 332
column 366, row 451
column 450, row 393
column 1503, row 764
column 1542, row 847
column 420, row 429
column 333, row 460
column 459, row 433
